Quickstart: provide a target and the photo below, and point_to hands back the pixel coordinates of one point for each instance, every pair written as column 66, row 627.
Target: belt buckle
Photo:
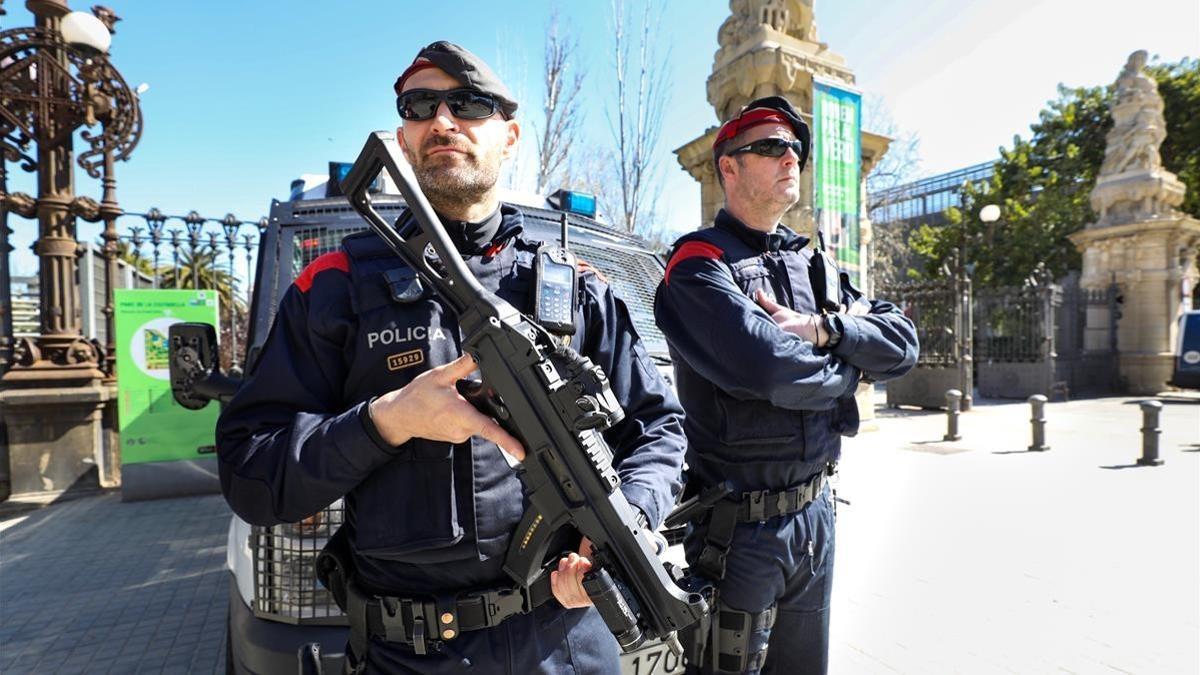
column 758, row 505
column 422, row 641
column 500, row 604
column 420, row 644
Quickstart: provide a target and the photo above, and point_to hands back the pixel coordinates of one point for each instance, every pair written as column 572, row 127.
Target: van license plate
column 654, row 659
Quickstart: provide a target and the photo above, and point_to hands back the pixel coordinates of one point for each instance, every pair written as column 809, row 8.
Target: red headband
column 417, row 66
column 748, row 119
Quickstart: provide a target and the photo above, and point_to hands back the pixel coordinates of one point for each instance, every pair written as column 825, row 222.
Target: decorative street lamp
column 230, row 225
column 155, row 220
column 248, row 242
column 175, row 233
column 194, row 223
column 214, row 245
column 136, row 241
column 54, row 79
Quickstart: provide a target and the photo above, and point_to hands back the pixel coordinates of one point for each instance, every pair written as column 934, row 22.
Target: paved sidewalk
column 980, row 557
column 968, row 557
column 94, row 585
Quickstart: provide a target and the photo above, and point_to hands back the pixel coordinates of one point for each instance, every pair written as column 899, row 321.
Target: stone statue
column 790, row 17
column 1133, row 185
column 1138, row 126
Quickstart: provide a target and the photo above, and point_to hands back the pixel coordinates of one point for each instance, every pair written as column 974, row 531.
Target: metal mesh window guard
column 285, row 582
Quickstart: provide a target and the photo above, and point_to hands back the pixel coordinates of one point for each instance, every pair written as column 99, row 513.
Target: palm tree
column 125, row 252
column 199, row 264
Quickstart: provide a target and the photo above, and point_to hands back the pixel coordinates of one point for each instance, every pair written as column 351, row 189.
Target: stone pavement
column 979, row 557
column 94, row 585
column 967, row 557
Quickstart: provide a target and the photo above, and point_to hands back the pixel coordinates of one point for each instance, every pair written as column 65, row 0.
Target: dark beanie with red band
column 463, row 66
column 767, row 110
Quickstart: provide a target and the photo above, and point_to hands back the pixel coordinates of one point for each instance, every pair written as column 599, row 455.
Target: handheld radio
column 825, row 278
column 556, row 288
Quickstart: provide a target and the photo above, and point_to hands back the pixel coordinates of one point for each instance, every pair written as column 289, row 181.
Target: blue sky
column 245, row 96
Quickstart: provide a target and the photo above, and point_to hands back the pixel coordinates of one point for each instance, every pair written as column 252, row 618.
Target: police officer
column 767, row 380
column 354, row 396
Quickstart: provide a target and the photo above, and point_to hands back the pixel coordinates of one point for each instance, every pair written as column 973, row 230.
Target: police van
column 1186, row 373
column 276, row 604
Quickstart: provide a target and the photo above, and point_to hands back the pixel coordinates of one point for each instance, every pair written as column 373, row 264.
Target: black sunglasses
column 465, row 104
column 771, row 147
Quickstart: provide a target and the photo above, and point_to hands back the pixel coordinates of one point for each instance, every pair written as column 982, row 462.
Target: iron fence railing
column 935, row 308
column 1015, row 324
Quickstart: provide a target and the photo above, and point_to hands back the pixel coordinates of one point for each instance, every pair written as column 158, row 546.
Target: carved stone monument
column 770, row 48
column 1140, row 239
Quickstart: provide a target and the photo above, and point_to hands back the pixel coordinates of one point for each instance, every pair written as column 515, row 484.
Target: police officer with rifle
column 458, row 490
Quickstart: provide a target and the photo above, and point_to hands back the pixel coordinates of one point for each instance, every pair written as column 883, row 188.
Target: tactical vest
column 753, row 441
column 442, row 502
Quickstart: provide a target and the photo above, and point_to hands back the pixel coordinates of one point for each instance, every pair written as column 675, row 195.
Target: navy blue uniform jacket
column 426, row 516
column 765, row 408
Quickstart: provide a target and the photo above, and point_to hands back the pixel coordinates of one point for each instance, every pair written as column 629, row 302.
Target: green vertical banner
column 151, row 425
column 837, row 141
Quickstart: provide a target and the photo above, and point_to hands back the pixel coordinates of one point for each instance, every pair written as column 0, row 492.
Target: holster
column 335, row 566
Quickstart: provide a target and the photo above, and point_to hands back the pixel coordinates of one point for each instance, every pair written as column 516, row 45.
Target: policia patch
column 405, row 359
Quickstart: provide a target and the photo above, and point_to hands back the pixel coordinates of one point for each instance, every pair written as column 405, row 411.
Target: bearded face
column 456, row 161
column 453, row 171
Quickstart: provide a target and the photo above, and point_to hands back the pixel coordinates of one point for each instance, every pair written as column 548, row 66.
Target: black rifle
column 557, row 403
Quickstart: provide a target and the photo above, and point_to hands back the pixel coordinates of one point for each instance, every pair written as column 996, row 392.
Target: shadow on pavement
column 87, row 485
column 1116, row 467
column 885, row 412
column 1165, row 400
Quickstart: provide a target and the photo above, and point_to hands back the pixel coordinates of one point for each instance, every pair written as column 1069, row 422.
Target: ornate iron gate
column 1014, row 339
column 941, row 311
column 1086, row 337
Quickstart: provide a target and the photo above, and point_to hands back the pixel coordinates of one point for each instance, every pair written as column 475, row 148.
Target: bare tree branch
column 638, row 124
column 561, row 110
column 891, row 256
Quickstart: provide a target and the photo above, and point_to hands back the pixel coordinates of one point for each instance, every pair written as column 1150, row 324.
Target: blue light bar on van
column 338, row 172
column 575, row 202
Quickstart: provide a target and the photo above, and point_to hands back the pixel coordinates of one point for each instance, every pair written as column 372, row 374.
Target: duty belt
column 761, row 505
column 755, row 506
column 425, row 623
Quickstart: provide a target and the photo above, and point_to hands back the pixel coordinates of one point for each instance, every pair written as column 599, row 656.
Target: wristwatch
column 832, row 323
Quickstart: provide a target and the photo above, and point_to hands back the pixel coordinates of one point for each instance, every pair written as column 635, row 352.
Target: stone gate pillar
column 1140, row 239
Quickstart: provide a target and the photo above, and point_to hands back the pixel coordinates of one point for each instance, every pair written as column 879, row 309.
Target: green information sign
column 152, row 426
column 837, row 118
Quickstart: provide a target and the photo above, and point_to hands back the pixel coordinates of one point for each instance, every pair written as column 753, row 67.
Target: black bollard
column 1037, row 420
column 953, row 404
column 1150, row 433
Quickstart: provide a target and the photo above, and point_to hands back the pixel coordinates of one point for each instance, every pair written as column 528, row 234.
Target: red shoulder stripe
column 692, row 249
column 337, row 260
